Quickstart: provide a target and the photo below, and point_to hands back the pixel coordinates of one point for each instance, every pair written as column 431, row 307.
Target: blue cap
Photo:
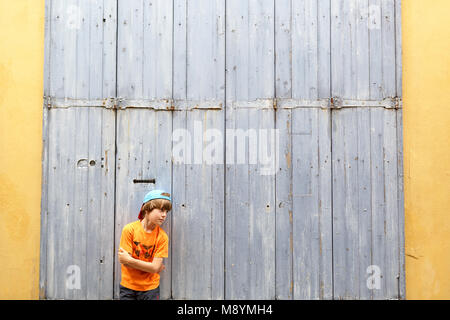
column 156, row 194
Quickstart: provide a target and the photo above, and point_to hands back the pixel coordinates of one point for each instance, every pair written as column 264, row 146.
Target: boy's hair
column 162, row 204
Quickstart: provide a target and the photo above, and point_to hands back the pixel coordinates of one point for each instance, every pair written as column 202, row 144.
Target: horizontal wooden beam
column 186, row 105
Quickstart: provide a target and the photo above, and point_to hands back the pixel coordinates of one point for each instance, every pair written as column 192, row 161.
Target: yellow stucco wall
column 426, row 90
column 21, row 91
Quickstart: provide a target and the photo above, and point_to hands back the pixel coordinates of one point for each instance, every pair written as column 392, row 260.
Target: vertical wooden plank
column 109, row 42
column 143, row 136
column 108, row 142
column 77, row 221
column 284, row 34
column 50, row 288
column 95, row 193
column 351, row 157
column 385, row 210
column 388, row 27
column 60, row 211
column 324, row 199
column 303, row 55
column 284, row 214
column 130, row 49
column 349, row 49
column 376, row 49
column 310, row 49
column 364, row 208
column 284, row 282
column 392, row 249
column 180, row 43
column 65, row 211
column 324, row 49
column 312, row 83
column 198, row 214
column 51, row 203
column 43, row 246
column 401, row 211
column 345, row 206
column 390, row 146
column 303, row 207
column 123, row 191
column 383, row 84
column 62, row 66
column 345, row 259
column 250, row 196
column 65, row 206
column 324, row 131
column 157, row 48
column 156, row 131
column 401, row 216
column 205, row 25
column 351, row 79
column 45, row 160
column 398, row 46
column 199, row 191
column 157, row 77
column 56, row 62
column 378, row 198
column 106, row 198
column 129, row 160
column 82, row 56
column 93, row 208
column 311, row 204
column 382, row 49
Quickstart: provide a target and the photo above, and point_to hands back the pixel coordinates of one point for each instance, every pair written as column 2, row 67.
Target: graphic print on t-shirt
column 145, row 250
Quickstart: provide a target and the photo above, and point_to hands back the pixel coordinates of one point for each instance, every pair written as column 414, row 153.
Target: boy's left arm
column 156, row 266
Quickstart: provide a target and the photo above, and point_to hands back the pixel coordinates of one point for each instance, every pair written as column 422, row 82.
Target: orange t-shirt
column 143, row 246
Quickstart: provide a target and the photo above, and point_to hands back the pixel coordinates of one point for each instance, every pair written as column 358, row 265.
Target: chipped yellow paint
column 21, row 92
column 426, row 92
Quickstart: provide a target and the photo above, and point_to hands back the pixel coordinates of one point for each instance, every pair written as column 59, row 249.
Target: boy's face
column 157, row 216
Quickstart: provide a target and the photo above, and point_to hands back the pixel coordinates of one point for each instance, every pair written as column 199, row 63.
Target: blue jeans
column 129, row 294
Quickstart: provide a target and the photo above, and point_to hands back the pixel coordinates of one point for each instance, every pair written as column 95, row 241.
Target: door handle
column 144, row 180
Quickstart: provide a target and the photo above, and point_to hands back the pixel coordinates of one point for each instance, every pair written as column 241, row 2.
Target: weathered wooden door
column 288, row 115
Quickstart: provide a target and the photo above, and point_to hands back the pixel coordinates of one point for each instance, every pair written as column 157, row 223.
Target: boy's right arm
column 126, row 240
column 156, row 266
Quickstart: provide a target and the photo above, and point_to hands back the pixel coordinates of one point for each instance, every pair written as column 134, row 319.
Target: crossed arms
column 156, row 266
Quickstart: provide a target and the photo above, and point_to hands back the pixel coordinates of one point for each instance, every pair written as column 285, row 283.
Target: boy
column 143, row 245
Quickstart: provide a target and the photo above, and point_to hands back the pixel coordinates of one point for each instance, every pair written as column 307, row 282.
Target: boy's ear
column 142, row 214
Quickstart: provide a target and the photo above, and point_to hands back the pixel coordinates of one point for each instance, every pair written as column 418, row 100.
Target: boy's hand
column 161, row 268
column 124, row 257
